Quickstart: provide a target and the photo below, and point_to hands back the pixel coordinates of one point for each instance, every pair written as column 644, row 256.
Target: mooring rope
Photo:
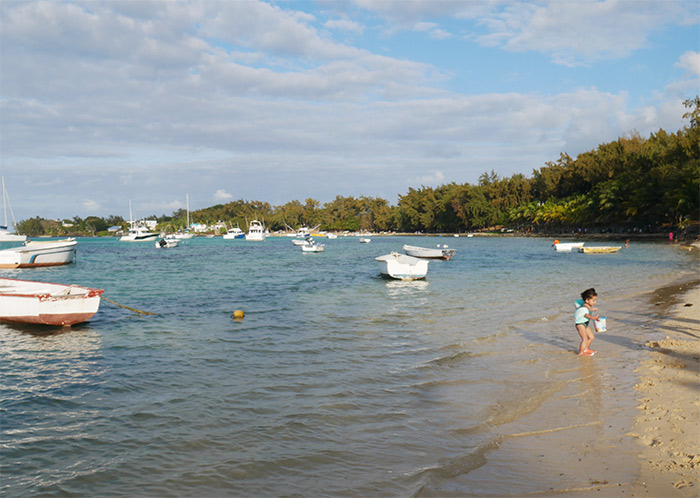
column 128, row 308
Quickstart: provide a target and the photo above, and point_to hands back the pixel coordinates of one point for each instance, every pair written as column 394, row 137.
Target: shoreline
column 668, row 424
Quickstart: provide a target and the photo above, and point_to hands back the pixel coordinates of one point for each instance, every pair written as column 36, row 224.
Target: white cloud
column 90, row 205
column 344, row 25
column 222, row 195
column 433, row 179
column 690, row 62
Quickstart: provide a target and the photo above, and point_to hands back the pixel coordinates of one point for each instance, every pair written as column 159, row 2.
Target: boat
column 365, row 241
column 137, row 231
column 234, row 233
column 600, row 249
column 39, row 253
column 566, row 246
column 167, row 242
column 331, row 236
column 402, row 267
column 313, row 247
column 5, row 234
column 256, row 231
column 186, row 234
column 300, row 242
column 23, row 301
column 429, row 253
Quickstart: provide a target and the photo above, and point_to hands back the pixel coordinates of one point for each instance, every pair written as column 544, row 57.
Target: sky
column 107, row 102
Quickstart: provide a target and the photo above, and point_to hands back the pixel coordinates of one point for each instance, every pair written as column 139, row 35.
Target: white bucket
column 601, row 324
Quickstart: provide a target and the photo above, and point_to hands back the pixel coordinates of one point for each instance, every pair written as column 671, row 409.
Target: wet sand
column 625, row 422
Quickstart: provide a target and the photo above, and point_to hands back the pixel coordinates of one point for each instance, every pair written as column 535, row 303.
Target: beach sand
column 624, row 423
column 668, row 425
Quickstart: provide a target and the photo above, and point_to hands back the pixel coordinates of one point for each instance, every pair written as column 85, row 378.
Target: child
column 582, row 319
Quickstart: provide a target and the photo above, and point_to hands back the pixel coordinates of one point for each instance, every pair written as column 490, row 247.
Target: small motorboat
column 167, row 243
column 402, row 267
column 566, row 246
column 39, row 253
column 301, row 242
column 600, row 249
column 365, row 241
column 234, row 233
column 313, row 247
column 24, row 301
column 429, row 253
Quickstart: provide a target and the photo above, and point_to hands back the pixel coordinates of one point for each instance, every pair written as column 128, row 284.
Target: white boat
column 23, row 301
column 402, row 267
column 256, row 231
column 300, row 242
column 331, row 236
column 600, row 249
column 566, row 246
column 39, row 253
column 234, row 233
column 137, row 232
column 365, row 241
column 313, row 247
column 5, row 234
column 429, row 253
column 167, row 242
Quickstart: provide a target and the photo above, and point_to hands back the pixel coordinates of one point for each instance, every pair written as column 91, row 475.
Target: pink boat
column 24, row 301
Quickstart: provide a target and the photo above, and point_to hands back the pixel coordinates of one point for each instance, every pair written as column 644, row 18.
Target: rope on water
column 128, row 308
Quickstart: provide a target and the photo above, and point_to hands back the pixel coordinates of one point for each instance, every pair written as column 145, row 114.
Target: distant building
column 115, row 228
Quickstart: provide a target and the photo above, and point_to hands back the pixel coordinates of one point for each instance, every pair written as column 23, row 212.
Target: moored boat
column 365, row 241
column 402, row 267
column 234, row 233
column 24, row 301
column 167, row 242
column 5, row 234
column 312, row 246
column 256, row 231
column 430, row 253
column 600, row 249
column 39, row 253
column 566, row 246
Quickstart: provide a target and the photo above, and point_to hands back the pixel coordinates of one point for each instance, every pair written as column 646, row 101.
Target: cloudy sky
column 103, row 102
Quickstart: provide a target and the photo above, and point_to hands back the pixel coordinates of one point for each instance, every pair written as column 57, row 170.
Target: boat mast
column 188, row 211
column 4, row 200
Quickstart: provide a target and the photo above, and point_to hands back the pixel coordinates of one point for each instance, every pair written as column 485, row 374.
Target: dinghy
column 402, row 267
column 24, row 301
column 429, row 253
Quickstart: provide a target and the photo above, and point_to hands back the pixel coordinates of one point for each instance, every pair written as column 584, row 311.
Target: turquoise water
column 336, row 383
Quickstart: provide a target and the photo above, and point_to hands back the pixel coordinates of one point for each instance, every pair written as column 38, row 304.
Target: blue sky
column 106, row 102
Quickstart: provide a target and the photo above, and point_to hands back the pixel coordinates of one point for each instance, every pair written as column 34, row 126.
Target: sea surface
column 336, row 383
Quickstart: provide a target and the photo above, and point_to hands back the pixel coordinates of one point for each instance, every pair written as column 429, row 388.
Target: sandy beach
column 668, row 425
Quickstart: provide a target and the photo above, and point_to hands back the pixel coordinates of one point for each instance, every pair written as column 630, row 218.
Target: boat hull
column 402, row 267
column 600, row 250
column 42, row 303
column 429, row 253
column 567, row 246
column 38, row 254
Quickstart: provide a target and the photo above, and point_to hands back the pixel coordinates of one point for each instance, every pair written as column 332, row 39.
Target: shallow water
column 336, row 383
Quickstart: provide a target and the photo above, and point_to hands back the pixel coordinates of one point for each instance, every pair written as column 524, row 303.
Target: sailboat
column 5, row 235
column 186, row 235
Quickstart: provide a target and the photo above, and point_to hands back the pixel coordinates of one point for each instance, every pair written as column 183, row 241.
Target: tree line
column 645, row 183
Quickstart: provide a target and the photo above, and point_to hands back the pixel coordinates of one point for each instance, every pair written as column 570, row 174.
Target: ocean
column 336, row 383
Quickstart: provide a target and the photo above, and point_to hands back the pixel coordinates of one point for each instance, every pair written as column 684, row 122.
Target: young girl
column 582, row 319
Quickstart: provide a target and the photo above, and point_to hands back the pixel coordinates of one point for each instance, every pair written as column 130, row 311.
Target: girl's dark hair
column 588, row 293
